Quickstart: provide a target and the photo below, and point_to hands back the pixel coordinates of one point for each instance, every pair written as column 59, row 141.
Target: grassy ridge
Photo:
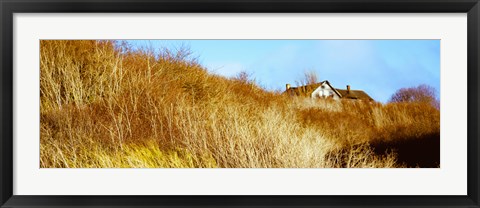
column 108, row 106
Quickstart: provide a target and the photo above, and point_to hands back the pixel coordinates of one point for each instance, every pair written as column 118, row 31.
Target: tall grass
column 105, row 105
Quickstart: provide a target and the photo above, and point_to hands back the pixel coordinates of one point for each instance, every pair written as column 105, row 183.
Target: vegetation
column 106, row 105
column 421, row 93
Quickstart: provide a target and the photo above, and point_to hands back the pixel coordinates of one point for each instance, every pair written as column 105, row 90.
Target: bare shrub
column 422, row 93
column 104, row 105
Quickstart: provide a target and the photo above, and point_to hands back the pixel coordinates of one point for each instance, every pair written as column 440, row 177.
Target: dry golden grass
column 105, row 106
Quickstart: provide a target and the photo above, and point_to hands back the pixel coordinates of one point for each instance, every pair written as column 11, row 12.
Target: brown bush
column 105, row 105
column 422, row 93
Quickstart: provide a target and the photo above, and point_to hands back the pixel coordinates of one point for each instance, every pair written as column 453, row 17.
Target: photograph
column 240, row 103
column 270, row 103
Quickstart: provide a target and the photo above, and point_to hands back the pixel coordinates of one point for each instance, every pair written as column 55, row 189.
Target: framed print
column 247, row 104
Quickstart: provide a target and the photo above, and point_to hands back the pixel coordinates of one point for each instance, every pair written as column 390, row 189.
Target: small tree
column 310, row 77
column 422, row 93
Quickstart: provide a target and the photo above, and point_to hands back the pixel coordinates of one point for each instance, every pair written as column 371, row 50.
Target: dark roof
column 354, row 94
column 307, row 90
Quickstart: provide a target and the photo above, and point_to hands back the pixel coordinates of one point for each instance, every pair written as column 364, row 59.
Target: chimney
column 348, row 88
column 288, row 86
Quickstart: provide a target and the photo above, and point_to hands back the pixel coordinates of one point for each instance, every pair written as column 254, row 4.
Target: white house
column 325, row 90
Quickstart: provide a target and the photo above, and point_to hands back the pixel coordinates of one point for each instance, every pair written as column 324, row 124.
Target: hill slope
column 106, row 105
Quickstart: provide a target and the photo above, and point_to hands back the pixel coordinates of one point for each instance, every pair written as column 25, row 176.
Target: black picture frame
column 9, row 7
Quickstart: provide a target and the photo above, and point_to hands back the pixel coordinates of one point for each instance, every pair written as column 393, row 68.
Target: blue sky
column 379, row 67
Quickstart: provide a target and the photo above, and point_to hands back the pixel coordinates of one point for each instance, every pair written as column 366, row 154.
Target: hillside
column 106, row 105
